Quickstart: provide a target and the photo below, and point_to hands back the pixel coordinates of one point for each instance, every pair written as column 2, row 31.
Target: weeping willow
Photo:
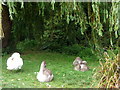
column 74, row 12
column 102, row 18
column 1, row 30
column 114, row 21
column 1, row 36
column 104, row 23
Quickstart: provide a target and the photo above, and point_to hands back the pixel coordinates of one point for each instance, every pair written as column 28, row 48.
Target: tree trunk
column 6, row 26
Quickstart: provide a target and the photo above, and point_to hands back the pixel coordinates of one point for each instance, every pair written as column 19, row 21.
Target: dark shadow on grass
column 16, row 71
column 20, row 70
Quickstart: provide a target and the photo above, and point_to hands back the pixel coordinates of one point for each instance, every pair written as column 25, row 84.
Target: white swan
column 14, row 62
column 44, row 75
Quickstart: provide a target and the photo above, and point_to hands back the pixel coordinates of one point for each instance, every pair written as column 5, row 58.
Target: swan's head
column 15, row 55
column 43, row 64
column 84, row 62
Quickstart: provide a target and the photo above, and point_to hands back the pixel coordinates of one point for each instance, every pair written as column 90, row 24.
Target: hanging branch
column 96, row 24
column 1, row 30
column 114, row 21
column 74, row 12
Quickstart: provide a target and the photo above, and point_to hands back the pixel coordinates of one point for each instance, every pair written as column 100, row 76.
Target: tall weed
column 109, row 73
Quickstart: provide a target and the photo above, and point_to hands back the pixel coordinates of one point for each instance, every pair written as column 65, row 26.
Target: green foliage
column 72, row 50
column 65, row 24
column 1, row 30
column 69, row 18
column 26, row 45
column 86, row 51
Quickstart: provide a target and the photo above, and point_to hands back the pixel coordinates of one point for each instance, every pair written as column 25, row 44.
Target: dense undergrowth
column 27, row 45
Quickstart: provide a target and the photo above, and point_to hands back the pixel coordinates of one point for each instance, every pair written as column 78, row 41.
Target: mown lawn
column 59, row 64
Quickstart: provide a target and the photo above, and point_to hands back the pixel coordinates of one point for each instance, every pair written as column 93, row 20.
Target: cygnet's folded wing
column 77, row 67
column 84, row 67
column 47, row 72
column 84, row 62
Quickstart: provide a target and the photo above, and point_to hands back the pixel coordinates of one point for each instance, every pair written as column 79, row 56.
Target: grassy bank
column 59, row 64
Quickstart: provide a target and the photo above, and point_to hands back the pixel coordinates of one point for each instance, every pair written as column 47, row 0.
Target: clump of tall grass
column 109, row 74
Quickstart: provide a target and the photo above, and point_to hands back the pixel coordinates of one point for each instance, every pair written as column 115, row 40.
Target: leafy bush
column 55, row 47
column 10, row 49
column 77, row 50
column 86, row 51
column 26, row 45
column 72, row 50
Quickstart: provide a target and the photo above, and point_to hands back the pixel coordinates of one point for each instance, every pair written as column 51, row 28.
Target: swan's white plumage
column 14, row 62
column 44, row 75
column 43, row 78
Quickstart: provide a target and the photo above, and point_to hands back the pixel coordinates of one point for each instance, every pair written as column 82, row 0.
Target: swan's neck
column 41, row 69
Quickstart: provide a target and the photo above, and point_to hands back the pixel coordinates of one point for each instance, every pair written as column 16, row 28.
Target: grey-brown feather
column 47, row 72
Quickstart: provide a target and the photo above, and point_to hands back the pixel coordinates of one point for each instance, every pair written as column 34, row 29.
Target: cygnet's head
column 16, row 55
column 43, row 64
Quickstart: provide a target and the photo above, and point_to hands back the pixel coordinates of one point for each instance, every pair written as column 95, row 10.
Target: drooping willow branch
column 1, row 30
column 98, row 15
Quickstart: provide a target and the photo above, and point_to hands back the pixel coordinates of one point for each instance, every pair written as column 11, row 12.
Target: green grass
column 59, row 64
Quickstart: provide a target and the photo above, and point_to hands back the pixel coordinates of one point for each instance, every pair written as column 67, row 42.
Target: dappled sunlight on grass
column 59, row 64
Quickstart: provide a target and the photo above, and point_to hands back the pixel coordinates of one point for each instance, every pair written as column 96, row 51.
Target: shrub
column 72, row 50
column 26, row 45
column 77, row 50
